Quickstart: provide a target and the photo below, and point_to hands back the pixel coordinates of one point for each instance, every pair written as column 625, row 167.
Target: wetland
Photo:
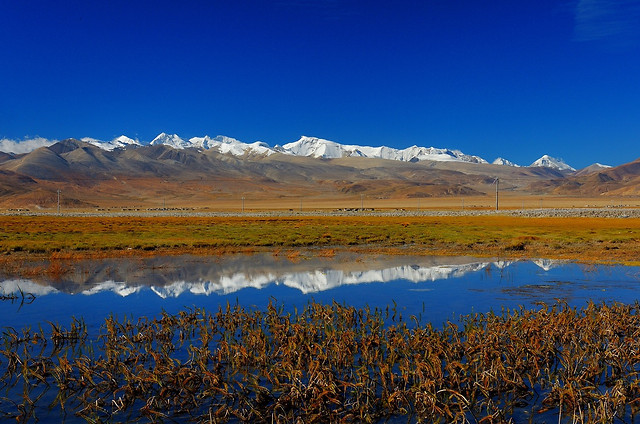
column 219, row 320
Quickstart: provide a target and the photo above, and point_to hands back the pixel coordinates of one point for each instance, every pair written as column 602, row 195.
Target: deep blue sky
column 507, row 78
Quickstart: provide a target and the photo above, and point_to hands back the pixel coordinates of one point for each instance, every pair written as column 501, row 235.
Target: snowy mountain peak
column 117, row 143
column 123, row 139
column 321, row 148
column 315, row 147
column 550, row 162
column 170, row 140
column 201, row 142
column 225, row 144
column 503, row 161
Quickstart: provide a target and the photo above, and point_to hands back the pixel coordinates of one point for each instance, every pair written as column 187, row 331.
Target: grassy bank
column 583, row 239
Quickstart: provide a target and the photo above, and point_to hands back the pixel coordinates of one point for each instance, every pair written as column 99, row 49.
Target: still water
column 436, row 289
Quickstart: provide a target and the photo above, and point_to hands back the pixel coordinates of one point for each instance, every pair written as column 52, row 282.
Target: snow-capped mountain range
column 220, row 143
column 305, row 146
column 320, row 148
column 307, row 282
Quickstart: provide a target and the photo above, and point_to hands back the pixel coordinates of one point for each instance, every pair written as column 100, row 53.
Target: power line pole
column 497, row 185
column 58, row 201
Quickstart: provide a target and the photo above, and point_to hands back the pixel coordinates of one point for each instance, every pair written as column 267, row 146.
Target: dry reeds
column 331, row 363
column 21, row 297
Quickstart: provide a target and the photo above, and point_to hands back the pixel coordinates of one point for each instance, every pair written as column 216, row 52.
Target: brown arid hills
column 621, row 181
column 160, row 176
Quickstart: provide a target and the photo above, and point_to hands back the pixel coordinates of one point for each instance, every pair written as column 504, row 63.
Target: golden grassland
column 595, row 240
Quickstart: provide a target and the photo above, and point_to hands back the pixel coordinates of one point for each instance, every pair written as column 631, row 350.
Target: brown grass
column 330, row 363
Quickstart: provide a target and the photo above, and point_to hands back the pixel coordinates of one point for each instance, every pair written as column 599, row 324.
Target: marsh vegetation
column 330, row 363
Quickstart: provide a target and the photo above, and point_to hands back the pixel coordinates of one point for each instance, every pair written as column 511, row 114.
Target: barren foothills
column 73, row 174
column 50, row 244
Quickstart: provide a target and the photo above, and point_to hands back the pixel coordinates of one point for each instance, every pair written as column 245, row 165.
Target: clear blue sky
column 501, row 78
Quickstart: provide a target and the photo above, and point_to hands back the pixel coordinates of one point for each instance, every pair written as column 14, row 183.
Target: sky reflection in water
column 432, row 288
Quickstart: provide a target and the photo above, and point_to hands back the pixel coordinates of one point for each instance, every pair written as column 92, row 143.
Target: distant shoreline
column 52, row 245
column 603, row 212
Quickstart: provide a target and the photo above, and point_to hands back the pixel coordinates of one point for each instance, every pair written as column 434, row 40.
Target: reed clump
column 330, row 363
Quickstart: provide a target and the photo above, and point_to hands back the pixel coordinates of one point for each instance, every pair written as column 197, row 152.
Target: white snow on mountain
column 123, row 141
column 503, row 161
column 171, row 140
column 316, row 147
column 549, row 162
column 117, row 143
column 305, row 146
column 320, row 148
column 24, row 146
column 206, row 142
column 230, row 145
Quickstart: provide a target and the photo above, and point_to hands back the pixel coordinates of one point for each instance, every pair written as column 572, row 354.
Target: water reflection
column 174, row 276
column 434, row 288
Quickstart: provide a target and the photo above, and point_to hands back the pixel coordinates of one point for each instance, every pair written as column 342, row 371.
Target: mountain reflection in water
column 174, row 276
column 433, row 289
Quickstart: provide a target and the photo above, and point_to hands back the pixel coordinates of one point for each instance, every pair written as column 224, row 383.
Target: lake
column 435, row 288
column 432, row 289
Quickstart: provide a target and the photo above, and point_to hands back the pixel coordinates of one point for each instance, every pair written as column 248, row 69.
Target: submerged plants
column 330, row 363
column 21, row 297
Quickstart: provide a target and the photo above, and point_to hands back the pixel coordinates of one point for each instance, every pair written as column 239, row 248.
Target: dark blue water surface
column 434, row 289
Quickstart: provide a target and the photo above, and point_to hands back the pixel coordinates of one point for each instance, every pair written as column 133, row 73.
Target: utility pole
column 242, row 204
column 362, row 201
column 497, row 185
column 58, row 201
